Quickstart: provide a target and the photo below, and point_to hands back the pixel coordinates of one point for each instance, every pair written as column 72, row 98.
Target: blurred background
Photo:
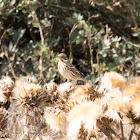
column 97, row 36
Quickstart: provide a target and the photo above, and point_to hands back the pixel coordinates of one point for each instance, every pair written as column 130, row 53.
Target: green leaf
column 74, row 35
column 18, row 34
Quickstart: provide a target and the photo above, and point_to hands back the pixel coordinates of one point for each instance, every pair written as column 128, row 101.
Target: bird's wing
column 74, row 70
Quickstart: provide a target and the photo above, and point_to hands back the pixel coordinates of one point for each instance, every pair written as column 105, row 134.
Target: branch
column 91, row 55
column 2, row 36
column 42, row 43
column 70, row 46
column 14, row 50
column 10, row 65
column 40, row 30
column 14, row 55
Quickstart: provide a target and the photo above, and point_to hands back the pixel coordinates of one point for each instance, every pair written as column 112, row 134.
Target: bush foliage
column 97, row 35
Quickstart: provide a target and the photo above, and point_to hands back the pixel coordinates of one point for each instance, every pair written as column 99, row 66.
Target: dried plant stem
column 41, row 65
column 40, row 30
column 132, row 132
column 13, row 58
column 100, row 72
column 14, row 47
column 70, row 55
column 122, row 130
column 42, row 43
column 2, row 36
column 91, row 55
column 135, row 45
column 14, row 50
column 110, row 130
column 25, row 121
column 70, row 46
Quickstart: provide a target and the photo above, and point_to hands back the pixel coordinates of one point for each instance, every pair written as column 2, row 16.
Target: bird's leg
column 75, row 82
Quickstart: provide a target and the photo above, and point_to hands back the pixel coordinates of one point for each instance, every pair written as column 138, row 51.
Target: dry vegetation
column 98, row 36
column 68, row 111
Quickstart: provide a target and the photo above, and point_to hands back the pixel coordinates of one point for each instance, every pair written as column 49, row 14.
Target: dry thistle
column 117, row 107
column 55, row 118
column 80, row 94
column 3, row 122
column 86, row 115
column 111, row 80
column 6, row 86
column 65, row 88
column 136, row 106
column 132, row 87
column 51, row 87
column 24, row 91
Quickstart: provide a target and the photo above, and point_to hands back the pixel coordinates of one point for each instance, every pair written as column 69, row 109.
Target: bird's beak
column 58, row 57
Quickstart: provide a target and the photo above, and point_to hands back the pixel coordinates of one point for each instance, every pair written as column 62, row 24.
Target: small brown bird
column 67, row 70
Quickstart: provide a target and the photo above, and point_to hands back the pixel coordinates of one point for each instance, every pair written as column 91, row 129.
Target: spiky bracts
column 136, row 105
column 70, row 111
column 83, row 116
column 132, row 87
column 111, row 80
column 6, row 86
column 55, row 118
column 25, row 90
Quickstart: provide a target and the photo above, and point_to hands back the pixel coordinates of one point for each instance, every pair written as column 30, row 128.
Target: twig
column 91, row 50
column 132, row 132
column 135, row 45
column 2, row 36
column 13, row 58
column 91, row 55
column 70, row 55
column 42, row 43
column 70, row 46
column 11, row 65
column 109, row 129
column 40, row 30
column 51, row 29
column 98, row 63
column 41, row 66
column 14, row 50
column 65, row 9
column 14, row 55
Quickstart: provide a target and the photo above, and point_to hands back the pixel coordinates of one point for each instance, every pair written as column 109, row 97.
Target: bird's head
column 62, row 57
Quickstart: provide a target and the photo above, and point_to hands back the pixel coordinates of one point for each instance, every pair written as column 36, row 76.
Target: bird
column 68, row 70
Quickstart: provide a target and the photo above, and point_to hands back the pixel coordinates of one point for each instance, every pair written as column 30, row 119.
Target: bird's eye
column 64, row 58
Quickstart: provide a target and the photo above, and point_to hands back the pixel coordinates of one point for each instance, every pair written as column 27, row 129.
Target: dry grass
column 69, row 111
